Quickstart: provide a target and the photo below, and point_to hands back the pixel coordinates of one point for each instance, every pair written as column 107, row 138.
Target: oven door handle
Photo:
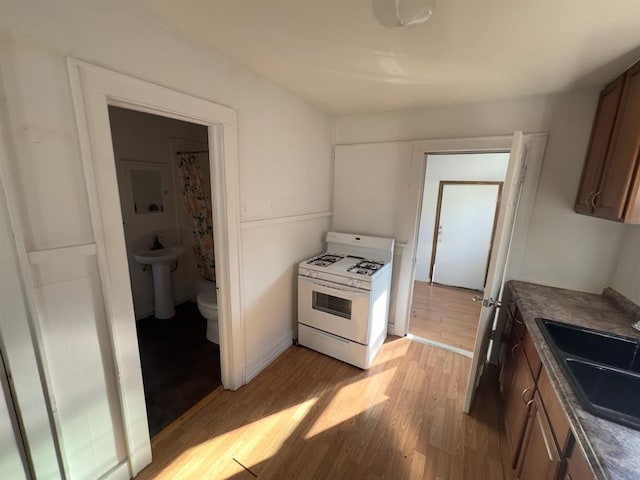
column 344, row 288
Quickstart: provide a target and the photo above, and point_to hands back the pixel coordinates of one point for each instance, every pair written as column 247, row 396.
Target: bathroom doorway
column 164, row 184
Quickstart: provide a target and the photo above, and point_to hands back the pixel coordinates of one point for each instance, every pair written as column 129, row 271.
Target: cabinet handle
column 549, row 443
column 593, row 199
column 513, row 349
column 589, row 204
column 524, row 392
column 528, row 404
column 518, row 321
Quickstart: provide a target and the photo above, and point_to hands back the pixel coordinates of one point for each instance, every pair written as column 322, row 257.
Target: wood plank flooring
column 308, row 416
column 444, row 314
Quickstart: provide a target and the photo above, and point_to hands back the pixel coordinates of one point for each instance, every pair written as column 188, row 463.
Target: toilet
column 208, row 306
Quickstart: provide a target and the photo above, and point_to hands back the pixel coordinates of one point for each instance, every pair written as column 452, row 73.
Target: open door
column 497, row 262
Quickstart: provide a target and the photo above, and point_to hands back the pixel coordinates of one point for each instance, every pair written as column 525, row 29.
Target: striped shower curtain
column 200, row 217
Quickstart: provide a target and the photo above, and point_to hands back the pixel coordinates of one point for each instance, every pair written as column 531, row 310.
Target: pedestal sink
column 160, row 261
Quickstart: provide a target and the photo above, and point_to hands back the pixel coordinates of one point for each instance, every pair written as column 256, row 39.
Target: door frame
column 441, row 185
column 93, row 90
column 535, row 144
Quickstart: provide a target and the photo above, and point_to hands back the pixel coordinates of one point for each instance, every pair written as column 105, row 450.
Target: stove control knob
column 359, row 284
column 314, row 274
column 304, row 272
column 352, row 282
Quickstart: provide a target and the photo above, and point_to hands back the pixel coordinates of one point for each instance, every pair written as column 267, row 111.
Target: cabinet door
column 519, row 395
column 512, row 347
column 552, row 407
column 599, row 144
column 577, row 465
column 611, row 199
column 539, row 458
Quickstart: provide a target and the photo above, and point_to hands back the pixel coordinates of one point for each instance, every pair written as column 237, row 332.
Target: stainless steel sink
column 602, row 368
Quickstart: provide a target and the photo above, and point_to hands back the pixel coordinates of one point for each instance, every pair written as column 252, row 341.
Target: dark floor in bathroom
column 179, row 365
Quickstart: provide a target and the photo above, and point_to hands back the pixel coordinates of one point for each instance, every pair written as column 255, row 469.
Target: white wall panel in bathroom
column 81, row 367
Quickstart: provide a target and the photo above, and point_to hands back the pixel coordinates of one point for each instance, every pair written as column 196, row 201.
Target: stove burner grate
column 366, row 267
column 325, row 259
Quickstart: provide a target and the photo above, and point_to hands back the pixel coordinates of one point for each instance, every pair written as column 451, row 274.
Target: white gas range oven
column 343, row 297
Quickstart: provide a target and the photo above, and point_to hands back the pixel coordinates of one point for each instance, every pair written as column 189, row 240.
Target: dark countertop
column 612, row 450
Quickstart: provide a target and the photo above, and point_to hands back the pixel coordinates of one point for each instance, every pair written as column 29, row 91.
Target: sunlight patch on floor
column 361, row 395
column 257, row 441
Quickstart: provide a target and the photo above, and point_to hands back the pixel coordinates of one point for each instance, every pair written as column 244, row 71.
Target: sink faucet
column 156, row 243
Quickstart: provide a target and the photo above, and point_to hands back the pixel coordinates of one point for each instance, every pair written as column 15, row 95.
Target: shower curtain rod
column 193, row 152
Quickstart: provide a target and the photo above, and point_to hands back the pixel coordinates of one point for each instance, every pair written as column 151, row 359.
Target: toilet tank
column 201, row 285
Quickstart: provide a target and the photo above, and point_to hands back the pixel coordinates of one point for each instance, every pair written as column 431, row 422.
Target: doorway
column 460, row 206
column 94, row 89
column 165, row 192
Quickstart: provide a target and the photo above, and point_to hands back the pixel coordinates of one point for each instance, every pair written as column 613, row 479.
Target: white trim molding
column 37, row 257
column 254, row 368
column 440, row 345
column 267, row 222
column 94, row 89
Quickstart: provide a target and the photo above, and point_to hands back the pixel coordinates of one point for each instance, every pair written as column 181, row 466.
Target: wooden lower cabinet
column 539, row 458
column 542, row 446
column 577, row 465
column 516, row 405
column 512, row 351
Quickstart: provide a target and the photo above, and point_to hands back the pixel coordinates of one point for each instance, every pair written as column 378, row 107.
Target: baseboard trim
column 258, row 366
column 119, row 472
column 443, row 346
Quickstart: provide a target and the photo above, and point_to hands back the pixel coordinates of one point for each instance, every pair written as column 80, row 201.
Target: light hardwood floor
column 308, row 416
column 444, row 314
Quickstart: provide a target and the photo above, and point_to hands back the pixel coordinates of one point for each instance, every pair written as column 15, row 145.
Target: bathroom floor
column 179, row 365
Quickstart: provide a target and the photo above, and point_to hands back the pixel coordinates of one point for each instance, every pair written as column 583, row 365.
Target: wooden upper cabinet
column 621, row 168
column 601, row 133
column 610, row 185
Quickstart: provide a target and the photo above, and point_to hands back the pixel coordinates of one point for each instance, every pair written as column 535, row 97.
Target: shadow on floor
column 179, row 365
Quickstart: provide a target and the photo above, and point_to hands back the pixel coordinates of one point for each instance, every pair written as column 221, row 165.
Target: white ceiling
column 335, row 55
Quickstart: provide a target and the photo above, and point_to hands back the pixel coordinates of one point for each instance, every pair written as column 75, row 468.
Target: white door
column 465, row 228
column 498, row 261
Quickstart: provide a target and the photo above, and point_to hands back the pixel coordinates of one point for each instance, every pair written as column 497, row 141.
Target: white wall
column 20, row 358
column 478, row 167
column 562, row 248
column 142, row 137
column 285, row 171
column 371, row 187
column 626, row 279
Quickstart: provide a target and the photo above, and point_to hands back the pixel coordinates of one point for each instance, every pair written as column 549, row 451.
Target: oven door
column 333, row 308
